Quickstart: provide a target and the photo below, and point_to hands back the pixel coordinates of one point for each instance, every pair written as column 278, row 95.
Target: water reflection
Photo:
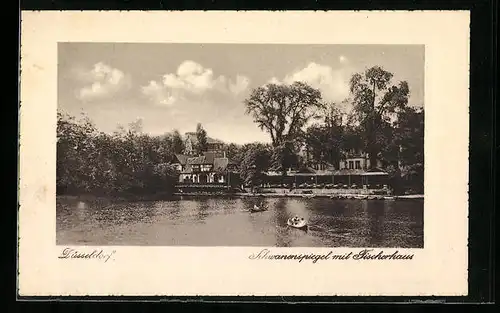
column 375, row 212
column 228, row 222
column 201, row 210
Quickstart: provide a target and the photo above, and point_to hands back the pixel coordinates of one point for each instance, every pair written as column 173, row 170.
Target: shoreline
column 307, row 196
column 175, row 196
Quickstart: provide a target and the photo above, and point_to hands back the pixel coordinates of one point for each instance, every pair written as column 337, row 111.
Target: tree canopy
column 201, row 139
column 325, row 139
column 375, row 101
column 255, row 159
column 283, row 110
column 177, row 142
column 126, row 162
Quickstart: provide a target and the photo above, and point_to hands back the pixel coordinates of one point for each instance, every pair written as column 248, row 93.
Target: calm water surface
column 227, row 222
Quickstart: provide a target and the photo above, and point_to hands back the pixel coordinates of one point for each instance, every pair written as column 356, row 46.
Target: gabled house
column 210, row 168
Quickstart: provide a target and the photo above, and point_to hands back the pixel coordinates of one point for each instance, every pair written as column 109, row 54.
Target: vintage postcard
column 244, row 153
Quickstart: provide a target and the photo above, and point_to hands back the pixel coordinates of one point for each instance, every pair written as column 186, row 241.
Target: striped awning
column 343, row 172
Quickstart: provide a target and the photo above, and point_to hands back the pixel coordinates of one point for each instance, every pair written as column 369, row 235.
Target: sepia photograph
column 215, row 153
column 258, row 145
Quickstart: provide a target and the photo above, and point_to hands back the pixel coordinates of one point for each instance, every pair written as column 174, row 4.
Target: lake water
column 227, row 222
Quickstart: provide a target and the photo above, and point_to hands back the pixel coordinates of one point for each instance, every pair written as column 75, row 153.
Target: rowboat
column 257, row 209
column 301, row 224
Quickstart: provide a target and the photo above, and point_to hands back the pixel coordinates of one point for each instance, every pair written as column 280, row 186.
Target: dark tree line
column 126, row 162
column 201, row 140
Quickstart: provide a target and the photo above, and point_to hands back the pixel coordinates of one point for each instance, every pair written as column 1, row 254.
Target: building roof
column 209, row 157
column 181, row 158
column 197, row 160
column 220, row 164
column 212, row 140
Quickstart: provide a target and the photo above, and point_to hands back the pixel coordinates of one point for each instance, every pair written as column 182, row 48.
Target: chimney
column 224, row 154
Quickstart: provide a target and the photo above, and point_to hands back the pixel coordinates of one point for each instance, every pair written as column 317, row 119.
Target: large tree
column 324, row 140
column 231, row 150
column 375, row 100
column 177, row 142
column 201, row 139
column 254, row 161
column 409, row 140
column 283, row 110
column 284, row 156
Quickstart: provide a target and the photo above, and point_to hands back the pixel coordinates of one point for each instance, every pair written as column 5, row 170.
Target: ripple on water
column 227, row 222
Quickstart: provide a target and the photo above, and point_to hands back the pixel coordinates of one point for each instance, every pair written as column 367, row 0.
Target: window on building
column 206, row 168
column 351, row 165
column 358, row 165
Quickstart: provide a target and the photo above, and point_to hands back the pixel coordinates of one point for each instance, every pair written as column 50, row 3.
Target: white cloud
column 192, row 79
column 333, row 84
column 274, row 80
column 191, row 76
column 158, row 94
column 240, row 85
column 102, row 81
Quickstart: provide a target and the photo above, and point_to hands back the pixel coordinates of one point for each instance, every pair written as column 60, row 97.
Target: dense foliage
column 254, row 160
column 201, row 139
column 381, row 124
column 283, row 110
column 124, row 163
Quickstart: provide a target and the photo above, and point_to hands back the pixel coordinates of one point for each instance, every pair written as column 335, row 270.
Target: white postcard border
column 438, row 269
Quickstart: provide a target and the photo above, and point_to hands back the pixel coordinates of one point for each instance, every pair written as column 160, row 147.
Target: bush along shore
column 125, row 164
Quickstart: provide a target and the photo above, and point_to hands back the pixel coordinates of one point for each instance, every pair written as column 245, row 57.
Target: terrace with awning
column 339, row 178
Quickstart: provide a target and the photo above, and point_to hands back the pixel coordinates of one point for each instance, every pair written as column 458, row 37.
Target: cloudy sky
column 175, row 86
